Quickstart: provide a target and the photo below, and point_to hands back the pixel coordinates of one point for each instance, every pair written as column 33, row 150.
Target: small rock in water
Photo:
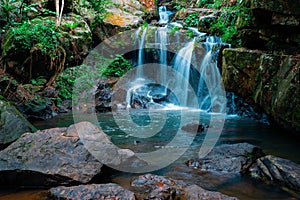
column 194, row 127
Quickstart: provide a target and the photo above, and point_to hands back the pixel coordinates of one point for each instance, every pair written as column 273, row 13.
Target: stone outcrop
column 160, row 187
column 108, row 191
column 120, row 16
column 271, row 82
column 39, row 109
column 47, row 158
column 277, row 171
column 275, row 24
column 104, row 94
column 226, row 158
column 12, row 123
column 129, row 14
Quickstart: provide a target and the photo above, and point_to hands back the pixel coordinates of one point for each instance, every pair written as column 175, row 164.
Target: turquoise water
column 271, row 139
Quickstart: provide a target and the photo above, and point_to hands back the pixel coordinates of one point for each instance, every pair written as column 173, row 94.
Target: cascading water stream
column 164, row 15
column 161, row 38
column 206, row 89
column 141, row 45
column 182, row 65
column 209, row 76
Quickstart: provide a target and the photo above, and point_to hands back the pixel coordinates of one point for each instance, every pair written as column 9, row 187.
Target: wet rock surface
column 193, row 192
column 228, row 158
column 104, row 94
column 12, row 123
column 49, row 157
column 151, row 95
column 160, row 187
column 37, row 109
column 266, row 81
column 277, row 170
column 108, row 191
column 101, row 147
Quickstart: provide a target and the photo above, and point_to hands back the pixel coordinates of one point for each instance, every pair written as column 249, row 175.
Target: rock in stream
column 163, row 188
column 50, row 157
column 277, row 171
column 108, row 191
column 228, row 158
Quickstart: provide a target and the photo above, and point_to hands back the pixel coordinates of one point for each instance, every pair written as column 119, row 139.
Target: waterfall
column 209, row 76
column 182, row 65
column 161, row 38
column 141, row 46
column 164, row 15
column 191, row 90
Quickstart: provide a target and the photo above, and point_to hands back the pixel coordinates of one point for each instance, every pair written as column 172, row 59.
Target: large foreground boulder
column 94, row 191
column 160, row 187
column 228, row 158
column 12, row 123
column 277, row 171
column 49, row 157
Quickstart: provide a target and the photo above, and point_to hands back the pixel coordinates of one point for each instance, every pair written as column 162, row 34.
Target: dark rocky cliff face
column 268, row 81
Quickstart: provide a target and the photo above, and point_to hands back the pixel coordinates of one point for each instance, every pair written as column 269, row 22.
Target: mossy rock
column 12, row 123
column 267, row 81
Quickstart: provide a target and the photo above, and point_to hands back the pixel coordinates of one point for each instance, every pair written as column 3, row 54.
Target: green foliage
column 192, row 20
column 38, row 33
column 41, row 80
column 100, row 8
column 71, row 25
column 86, row 77
column 178, row 7
column 64, row 83
column 118, row 67
column 8, row 8
column 94, row 8
column 144, row 25
column 30, row 8
column 205, row 3
column 215, row 4
column 16, row 11
column 227, row 24
column 226, row 28
column 189, row 33
column 181, row 4
column 174, row 29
